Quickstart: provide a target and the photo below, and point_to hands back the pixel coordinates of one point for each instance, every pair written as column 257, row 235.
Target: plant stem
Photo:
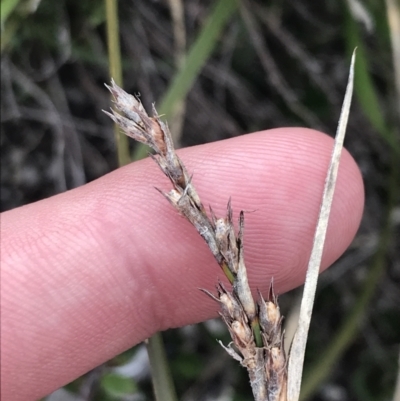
column 114, row 58
column 162, row 380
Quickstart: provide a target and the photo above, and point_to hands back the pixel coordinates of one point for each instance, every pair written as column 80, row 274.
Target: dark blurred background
column 275, row 63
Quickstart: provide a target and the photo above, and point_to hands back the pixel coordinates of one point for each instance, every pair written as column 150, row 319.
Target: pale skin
column 89, row 273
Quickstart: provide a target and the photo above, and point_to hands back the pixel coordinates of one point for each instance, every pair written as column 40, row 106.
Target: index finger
column 89, row 273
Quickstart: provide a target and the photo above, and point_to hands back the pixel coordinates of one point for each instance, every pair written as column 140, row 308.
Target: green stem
column 162, row 380
column 114, row 58
column 255, row 325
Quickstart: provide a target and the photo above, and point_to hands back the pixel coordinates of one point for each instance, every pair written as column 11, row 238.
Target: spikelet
column 255, row 327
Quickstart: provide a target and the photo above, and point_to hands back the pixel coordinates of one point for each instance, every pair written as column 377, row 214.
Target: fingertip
column 120, row 263
column 276, row 175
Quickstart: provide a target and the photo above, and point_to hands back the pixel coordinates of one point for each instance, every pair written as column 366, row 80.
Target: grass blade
column 296, row 358
column 364, row 87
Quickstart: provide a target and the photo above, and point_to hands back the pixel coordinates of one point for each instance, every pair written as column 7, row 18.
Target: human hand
column 91, row 272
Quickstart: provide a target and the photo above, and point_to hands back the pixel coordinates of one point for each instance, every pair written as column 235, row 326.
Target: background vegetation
column 219, row 69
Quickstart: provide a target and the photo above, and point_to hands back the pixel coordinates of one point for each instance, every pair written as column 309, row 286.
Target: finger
column 91, row 272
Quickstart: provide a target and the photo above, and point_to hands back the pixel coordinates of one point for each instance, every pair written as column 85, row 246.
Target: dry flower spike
column 255, row 327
